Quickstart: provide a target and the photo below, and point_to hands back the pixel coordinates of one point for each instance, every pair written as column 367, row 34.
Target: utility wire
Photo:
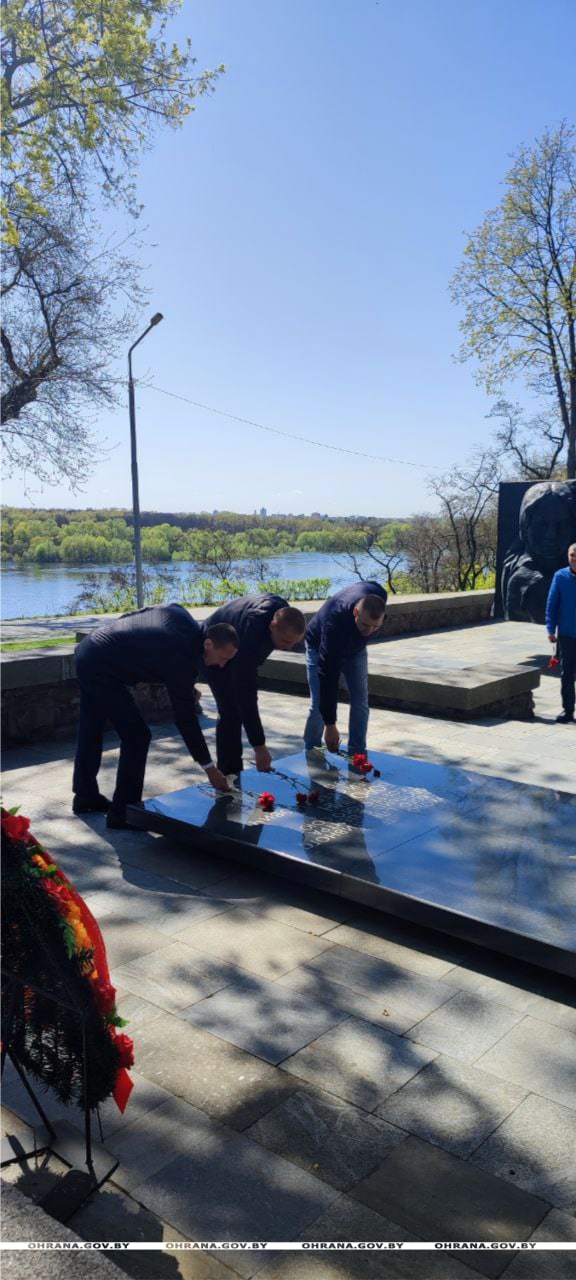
column 319, row 444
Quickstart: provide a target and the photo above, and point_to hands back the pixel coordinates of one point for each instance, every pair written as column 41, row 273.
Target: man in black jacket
column 161, row 645
column 263, row 623
column 336, row 641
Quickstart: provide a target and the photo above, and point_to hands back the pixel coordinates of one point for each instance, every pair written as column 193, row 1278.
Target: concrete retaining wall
column 40, row 697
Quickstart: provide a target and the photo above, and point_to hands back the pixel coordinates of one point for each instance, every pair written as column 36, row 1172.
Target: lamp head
column 156, row 318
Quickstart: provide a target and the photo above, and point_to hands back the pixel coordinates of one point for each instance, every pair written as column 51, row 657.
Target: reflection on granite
column 500, row 852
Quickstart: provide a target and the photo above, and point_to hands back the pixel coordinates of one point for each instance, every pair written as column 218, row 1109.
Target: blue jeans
column 355, row 672
column 567, row 655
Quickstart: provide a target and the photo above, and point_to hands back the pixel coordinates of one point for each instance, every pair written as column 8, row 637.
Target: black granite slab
column 485, row 859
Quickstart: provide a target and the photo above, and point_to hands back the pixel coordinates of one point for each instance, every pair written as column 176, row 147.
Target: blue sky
column 306, row 221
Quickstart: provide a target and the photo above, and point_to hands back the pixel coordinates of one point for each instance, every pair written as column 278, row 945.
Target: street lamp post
column 134, row 463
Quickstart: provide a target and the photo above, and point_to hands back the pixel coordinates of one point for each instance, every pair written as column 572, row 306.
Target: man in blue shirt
column 561, row 625
column 336, row 641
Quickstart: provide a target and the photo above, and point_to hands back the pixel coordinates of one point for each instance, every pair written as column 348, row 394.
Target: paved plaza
column 306, row 1068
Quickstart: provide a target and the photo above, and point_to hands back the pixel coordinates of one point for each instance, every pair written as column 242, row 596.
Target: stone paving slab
column 465, row 1026
column 346, row 1220
column 136, row 1010
column 145, row 1096
column 359, row 1266
column 535, row 1148
column 262, row 946
column 146, row 1145
column 231, row 1188
column 359, row 1062
column 314, row 985
column 547, row 1266
column 334, row 1141
column 184, row 866
column 441, row 1197
column 280, row 900
column 262, row 1018
column 174, row 977
column 518, row 988
column 405, row 994
column 378, row 940
column 529, row 1055
column 453, row 1106
column 126, row 939
column 225, row 1082
column 113, row 1215
column 169, row 909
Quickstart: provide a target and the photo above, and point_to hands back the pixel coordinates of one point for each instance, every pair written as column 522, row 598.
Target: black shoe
column 116, row 819
column 98, row 805
column 565, row 718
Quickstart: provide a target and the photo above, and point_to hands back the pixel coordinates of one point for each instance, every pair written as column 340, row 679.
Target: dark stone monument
column 544, row 516
column 481, row 858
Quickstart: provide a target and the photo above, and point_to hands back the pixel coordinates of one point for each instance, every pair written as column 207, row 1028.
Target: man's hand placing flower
column 332, row 737
column 263, row 759
column 217, row 779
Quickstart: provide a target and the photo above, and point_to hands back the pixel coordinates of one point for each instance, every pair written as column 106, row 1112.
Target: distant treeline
column 106, row 536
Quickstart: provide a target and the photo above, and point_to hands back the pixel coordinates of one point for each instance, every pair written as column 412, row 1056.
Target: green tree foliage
column 215, row 549
column 84, row 84
column 517, row 284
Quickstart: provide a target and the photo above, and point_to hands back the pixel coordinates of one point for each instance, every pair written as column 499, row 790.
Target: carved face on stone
column 548, row 521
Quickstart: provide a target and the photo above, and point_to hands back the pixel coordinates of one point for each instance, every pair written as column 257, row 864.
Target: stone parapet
column 41, row 699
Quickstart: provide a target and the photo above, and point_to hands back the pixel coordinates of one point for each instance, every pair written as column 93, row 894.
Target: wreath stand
column 90, row 1164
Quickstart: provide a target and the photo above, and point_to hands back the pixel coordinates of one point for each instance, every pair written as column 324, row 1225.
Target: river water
column 33, row 590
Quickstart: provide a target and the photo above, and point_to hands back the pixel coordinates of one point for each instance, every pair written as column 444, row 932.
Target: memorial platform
column 487, row 860
column 443, row 686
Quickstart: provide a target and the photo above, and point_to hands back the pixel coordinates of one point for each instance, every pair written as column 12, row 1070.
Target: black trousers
column 103, row 698
column 229, row 725
column 567, row 655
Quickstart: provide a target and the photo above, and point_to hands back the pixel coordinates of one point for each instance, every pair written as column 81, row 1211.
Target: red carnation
column 359, row 759
column 301, row 797
column 105, row 995
column 314, row 797
column 16, row 827
column 266, row 801
column 553, row 663
column 126, row 1048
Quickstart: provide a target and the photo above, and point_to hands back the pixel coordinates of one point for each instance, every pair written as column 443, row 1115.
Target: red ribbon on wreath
column 87, row 933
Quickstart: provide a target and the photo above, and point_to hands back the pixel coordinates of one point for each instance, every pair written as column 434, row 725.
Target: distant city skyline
column 302, row 230
column 216, row 511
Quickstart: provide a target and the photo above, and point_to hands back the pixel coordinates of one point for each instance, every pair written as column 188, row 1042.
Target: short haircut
column 223, row 636
column 374, row 606
column 291, row 620
column 572, row 547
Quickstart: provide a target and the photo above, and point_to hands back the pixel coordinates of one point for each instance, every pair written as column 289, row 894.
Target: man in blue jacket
column 336, row 641
column 561, row 625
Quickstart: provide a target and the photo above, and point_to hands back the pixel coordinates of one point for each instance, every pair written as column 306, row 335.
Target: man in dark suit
column 161, row 645
column 263, row 622
column 336, row 641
